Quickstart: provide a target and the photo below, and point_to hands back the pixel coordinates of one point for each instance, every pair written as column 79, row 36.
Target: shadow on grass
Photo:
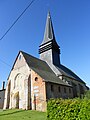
column 15, row 112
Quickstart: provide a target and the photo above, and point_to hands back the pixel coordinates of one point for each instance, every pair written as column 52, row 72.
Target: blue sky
column 71, row 22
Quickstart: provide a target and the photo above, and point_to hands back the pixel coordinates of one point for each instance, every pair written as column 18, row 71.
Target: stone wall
column 58, row 91
column 2, row 93
column 17, row 90
column 78, row 87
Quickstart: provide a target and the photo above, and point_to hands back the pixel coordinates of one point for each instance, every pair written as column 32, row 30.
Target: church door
column 16, row 98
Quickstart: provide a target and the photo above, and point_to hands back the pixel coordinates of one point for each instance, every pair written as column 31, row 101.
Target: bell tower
column 49, row 50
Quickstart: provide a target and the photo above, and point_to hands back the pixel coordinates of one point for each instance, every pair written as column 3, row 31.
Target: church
column 32, row 81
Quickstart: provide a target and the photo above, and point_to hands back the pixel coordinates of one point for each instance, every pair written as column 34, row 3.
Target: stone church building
column 33, row 81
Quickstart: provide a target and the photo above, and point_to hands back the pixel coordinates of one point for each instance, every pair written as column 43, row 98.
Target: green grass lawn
column 22, row 115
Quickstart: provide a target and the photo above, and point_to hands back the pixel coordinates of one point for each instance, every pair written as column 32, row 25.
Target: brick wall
column 38, row 92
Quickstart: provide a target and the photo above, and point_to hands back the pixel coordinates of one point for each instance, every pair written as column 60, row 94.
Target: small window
column 36, row 78
column 64, row 90
column 59, row 89
column 52, row 89
column 19, row 57
column 69, row 90
column 69, row 82
column 0, row 97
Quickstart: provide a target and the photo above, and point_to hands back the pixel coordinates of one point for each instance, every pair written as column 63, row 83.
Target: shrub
column 69, row 109
column 87, row 95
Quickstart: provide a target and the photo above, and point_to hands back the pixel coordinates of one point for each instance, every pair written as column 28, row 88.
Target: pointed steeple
column 49, row 32
column 49, row 50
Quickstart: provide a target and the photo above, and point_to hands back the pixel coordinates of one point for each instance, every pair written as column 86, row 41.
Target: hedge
column 68, row 109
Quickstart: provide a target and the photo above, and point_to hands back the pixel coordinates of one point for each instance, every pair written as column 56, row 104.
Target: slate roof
column 67, row 72
column 42, row 69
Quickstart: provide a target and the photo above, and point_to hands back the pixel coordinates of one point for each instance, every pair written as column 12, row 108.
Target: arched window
column 59, row 89
column 16, row 80
column 52, row 88
column 69, row 90
column 64, row 90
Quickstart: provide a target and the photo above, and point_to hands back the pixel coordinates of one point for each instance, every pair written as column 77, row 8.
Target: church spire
column 49, row 32
column 49, row 50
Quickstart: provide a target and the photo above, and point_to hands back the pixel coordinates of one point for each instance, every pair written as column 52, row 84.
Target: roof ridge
column 31, row 56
